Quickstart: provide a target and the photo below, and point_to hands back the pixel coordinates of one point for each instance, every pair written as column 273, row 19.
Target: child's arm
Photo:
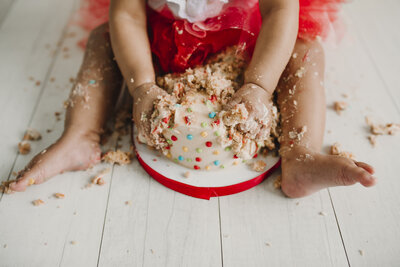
column 131, row 48
column 130, row 42
column 275, row 42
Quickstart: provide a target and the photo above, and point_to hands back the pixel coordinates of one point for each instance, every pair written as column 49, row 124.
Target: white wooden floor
column 259, row 227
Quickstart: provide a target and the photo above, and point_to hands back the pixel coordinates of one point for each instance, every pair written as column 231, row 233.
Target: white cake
column 189, row 125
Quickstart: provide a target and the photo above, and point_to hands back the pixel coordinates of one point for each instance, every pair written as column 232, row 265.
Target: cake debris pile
column 339, row 106
column 118, row 157
column 381, row 129
column 194, row 111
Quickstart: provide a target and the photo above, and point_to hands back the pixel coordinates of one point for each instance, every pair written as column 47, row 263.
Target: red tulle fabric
column 178, row 44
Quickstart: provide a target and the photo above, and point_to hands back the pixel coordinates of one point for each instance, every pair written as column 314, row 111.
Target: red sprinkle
column 216, row 122
column 174, row 138
column 213, row 98
column 255, row 156
column 196, row 167
column 187, row 120
column 165, row 120
column 167, row 147
column 235, row 157
column 198, row 159
column 208, row 144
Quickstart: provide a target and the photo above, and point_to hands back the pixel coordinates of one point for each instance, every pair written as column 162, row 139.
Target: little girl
column 281, row 36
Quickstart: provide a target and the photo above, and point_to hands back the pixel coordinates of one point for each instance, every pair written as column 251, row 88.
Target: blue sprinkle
column 216, row 163
column 177, row 105
column 180, row 158
column 212, row 114
column 189, row 137
column 92, row 82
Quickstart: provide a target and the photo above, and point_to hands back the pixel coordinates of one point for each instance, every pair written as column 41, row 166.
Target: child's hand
column 258, row 103
column 143, row 104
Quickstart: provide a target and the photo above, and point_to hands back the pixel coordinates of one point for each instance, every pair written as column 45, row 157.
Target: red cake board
column 201, row 183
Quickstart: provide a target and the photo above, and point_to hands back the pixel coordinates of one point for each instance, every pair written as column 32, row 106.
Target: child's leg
column 92, row 99
column 301, row 100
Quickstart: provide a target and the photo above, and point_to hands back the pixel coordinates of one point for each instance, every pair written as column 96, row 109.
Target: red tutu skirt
column 178, row 44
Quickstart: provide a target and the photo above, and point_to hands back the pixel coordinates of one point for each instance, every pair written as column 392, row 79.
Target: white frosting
column 203, row 148
column 191, row 10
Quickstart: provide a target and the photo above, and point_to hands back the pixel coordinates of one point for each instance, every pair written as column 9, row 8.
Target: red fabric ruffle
column 178, row 44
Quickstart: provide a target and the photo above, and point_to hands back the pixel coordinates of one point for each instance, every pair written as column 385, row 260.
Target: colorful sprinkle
column 216, row 162
column 176, row 160
column 199, row 150
column 189, row 137
column 235, row 157
column 208, row 144
column 212, row 115
column 235, row 162
column 196, row 167
column 185, row 149
column 204, row 124
column 188, row 159
column 92, row 82
column 189, row 110
column 169, row 155
column 216, row 133
column 198, row 159
column 203, row 134
column 180, row 158
column 177, row 105
column 222, row 167
column 208, row 168
column 216, row 122
column 169, row 141
column 165, row 120
column 174, row 138
column 216, row 152
column 255, row 156
column 167, row 147
column 228, row 148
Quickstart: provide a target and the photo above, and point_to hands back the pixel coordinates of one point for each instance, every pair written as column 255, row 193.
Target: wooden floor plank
column 377, row 24
column 27, row 49
column 65, row 232
column 261, row 227
column 158, row 227
column 368, row 218
column 5, row 6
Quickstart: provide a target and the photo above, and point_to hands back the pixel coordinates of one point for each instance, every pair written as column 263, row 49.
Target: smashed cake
column 190, row 126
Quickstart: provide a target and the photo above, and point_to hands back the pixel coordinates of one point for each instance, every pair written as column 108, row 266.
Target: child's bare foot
column 71, row 152
column 305, row 172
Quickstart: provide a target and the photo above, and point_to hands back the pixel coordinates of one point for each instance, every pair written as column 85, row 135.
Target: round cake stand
column 201, row 183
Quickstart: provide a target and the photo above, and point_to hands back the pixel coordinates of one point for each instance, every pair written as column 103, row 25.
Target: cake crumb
column 259, row 166
column 5, row 187
column 37, row 83
column 32, row 135
column 322, row 213
column 186, row 174
column 267, row 244
column 5, row 246
column 37, row 202
column 59, row 195
column 361, row 252
column 98, row 179
column 119, row 157
column 24, row 147
column 278, row 182
column 372, row 140
column 128, row 203
column 382, row 129
column 337, row 151
column 339, row 106
column 300, row 72
column 73, row 242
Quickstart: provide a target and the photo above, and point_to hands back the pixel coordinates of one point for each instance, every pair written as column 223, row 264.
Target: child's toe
column 365, row 166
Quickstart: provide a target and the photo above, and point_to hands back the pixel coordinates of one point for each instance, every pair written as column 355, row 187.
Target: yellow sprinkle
column 204, row 134
column 185, row 149
column 169, row 155
column 31, row 181
column 235, row 162
column 208, row 168
column 216, row 152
